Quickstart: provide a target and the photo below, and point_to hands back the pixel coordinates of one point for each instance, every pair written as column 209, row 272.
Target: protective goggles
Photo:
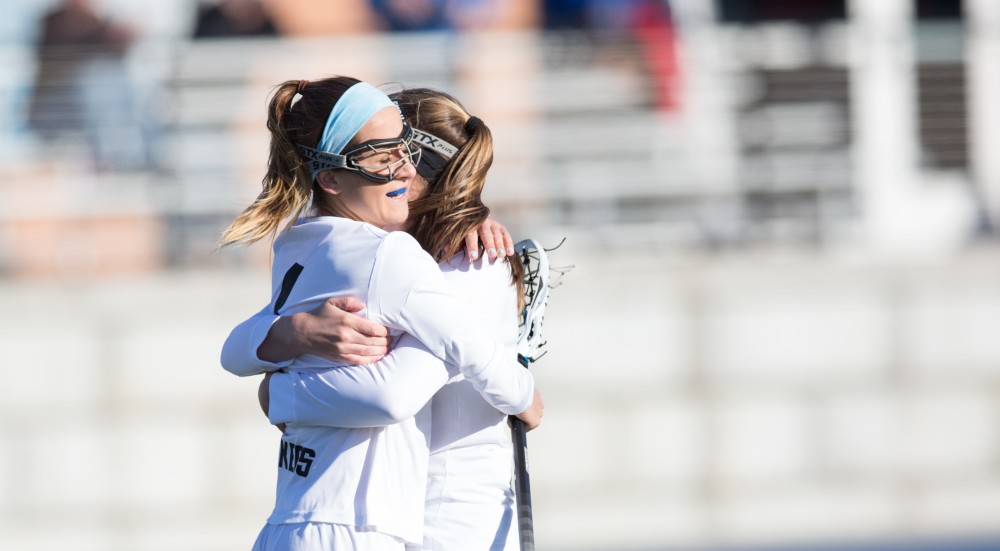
column 437, row 154
column 376, row 160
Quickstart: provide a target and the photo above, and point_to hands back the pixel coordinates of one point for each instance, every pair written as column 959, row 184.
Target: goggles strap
column 318, row 161
column 436, row 155
column 434, row 143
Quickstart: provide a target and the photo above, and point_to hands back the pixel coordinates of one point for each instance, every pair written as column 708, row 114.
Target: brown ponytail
column 452, row 206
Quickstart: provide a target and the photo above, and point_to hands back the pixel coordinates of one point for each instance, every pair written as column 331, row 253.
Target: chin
column 396, row 224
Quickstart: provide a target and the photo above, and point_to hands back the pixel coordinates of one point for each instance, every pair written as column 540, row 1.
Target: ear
column 327, row 181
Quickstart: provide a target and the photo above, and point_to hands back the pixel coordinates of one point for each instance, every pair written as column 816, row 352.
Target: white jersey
column 369, row 478
column 470, row 502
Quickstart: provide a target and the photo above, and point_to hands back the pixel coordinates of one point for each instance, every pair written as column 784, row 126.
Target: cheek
column 417, row 188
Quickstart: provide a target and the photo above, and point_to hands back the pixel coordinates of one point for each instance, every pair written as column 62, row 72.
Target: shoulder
column 400, row 267
column 482, row 268
column 487, row 285
column 401, row 260
column 328, row 228
column 401, row 248
column 336, row 224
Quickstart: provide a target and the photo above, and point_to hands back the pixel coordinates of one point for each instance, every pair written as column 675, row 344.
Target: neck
column 334, row 208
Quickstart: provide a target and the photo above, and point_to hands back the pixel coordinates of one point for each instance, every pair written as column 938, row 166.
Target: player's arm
column 413, row 296
column 267, row 342
column 389, row 391
column 239, row 352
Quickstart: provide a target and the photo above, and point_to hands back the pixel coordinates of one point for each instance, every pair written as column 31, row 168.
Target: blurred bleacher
column 789, row 361
column 760, row 151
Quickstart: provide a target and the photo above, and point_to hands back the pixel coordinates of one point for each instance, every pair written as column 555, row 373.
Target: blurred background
column 781, row 331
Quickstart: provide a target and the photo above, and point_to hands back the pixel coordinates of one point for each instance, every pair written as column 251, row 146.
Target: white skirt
column 470, row 503
column 320, row 536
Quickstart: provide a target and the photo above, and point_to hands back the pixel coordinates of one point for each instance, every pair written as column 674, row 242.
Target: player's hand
column 495, row 238
column 334, row 332
column 264, row 396
column 331, row 331
column 532, row 417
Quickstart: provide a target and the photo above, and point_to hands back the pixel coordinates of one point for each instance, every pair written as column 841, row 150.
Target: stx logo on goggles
column 321, row 160
column 434, row 143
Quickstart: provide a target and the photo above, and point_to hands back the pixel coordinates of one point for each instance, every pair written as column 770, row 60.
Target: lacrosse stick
column 529, row 341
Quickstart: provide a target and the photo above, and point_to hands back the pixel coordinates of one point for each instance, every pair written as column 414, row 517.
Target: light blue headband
column 358, row 104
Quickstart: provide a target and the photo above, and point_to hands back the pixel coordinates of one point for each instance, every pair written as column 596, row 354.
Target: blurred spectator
column 812, row 12
column 646, row 23
column 71, row 35
column 82, row 89
column 564, row 14
column 652, row 25
column 412, row 15
column 233, row 18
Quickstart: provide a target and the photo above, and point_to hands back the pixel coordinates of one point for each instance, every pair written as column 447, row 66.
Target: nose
column 407, row 171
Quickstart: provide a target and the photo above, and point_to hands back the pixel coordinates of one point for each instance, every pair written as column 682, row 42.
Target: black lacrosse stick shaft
column 522, row 482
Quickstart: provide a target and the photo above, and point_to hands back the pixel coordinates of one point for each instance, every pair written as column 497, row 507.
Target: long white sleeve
column 374, row 395
column 239, row 352
column 410, row 293
column 403, row 288
column 397, row 386
column 383, row 393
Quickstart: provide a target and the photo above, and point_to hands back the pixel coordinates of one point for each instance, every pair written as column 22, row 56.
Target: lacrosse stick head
column 536, row 294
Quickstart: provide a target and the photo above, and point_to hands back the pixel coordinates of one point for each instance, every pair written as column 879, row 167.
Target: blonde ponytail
column 287, row 186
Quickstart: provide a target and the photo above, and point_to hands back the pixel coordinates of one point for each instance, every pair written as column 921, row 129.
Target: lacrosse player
column 341, row 149
column 469, row 499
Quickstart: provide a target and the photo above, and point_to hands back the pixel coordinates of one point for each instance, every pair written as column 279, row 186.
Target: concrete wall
column 691, row 401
